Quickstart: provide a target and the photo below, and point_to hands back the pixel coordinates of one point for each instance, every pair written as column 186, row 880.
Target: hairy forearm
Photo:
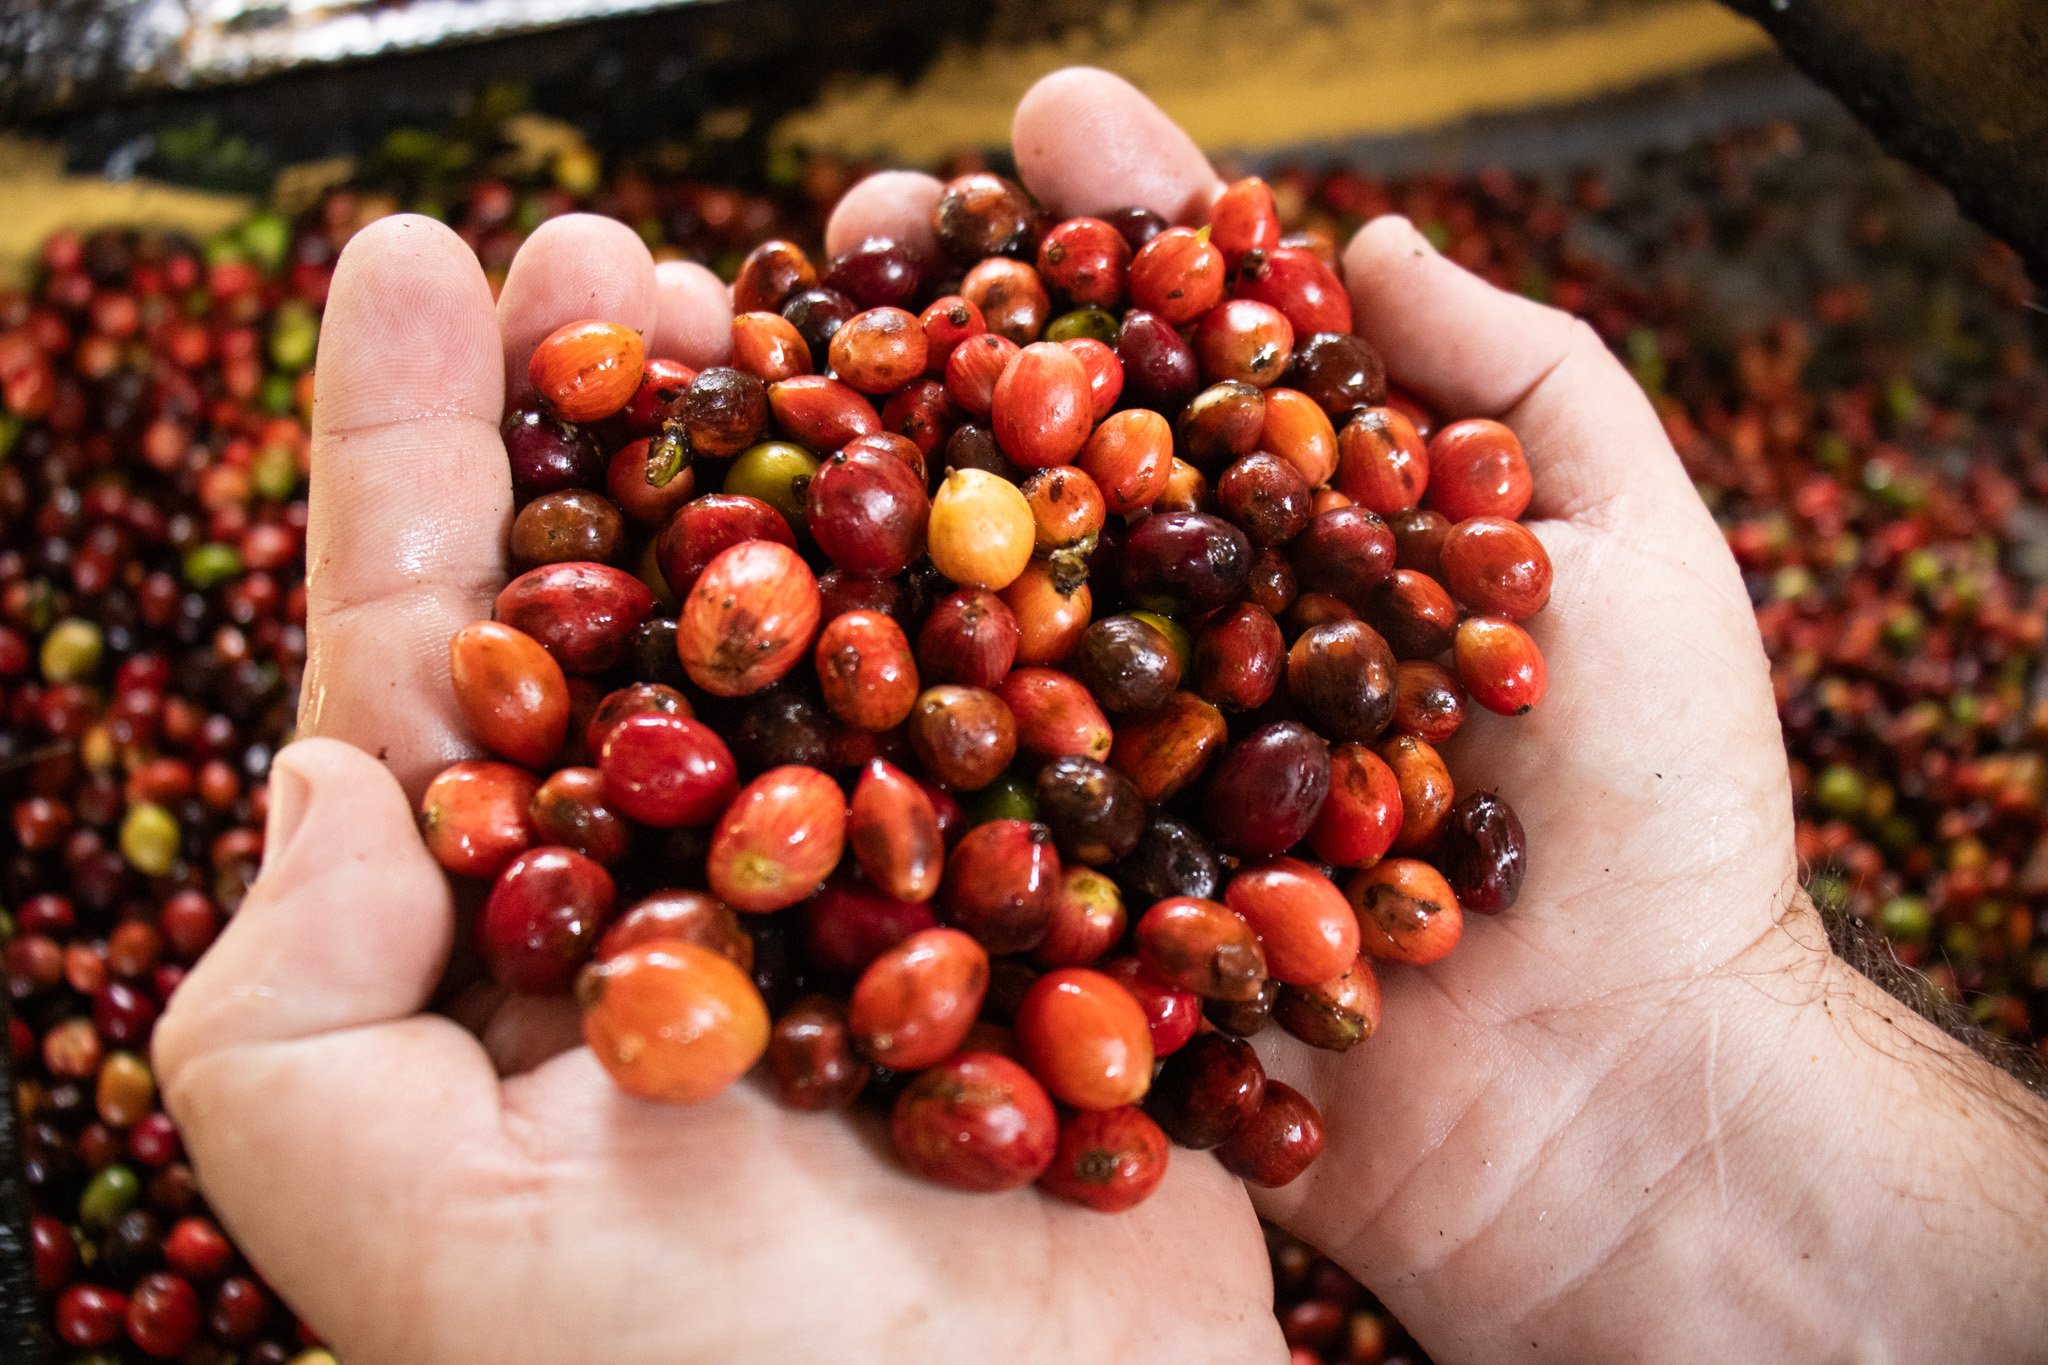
column 1812, row 1173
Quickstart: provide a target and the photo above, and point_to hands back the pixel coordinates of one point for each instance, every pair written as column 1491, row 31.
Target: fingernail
column 290, row 794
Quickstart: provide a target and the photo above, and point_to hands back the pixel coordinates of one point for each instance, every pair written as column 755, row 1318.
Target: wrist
column 1814, row 1172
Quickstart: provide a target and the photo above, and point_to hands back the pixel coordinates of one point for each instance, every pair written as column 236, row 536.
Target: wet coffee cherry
column 865, row 670
column 894, row 833
column 977, row 1122
column 474, row 816
column 1126, row 663
column 548, row 454
column 1191, row 558
column 1178, row 275
column 1041, row 410
column 664, row 770
column 1268, row 789
column 1012, row 299
column 1266, row 497
column 778, row 840
column 706, row 527
column 1207, row 1090
column 1163, row 750
column 1087, row 260
column 970, row 638
column 1086, row 1039
column 1414, row 614
column 1483, row 853
column 574, row 524
column 1341, row 372
column 1239, row 658
column 749, row 618
column 1382, row 462
column 587, row 370
column 1426, row 791
column 1088, row 920
column 1477, row 469
column 512, row 692
column 680, row 917
column 1299, row 432
column 1341, row 675
column 868, row 512
column 1298, row 283
column 981, row 530
column 1171, row 859
column 1429, row 702
column 1094, row 812
column 542, row 919
column 581, row 613
column 810, row 1057
column 1278, row 1142
column 1160, row 370
column 1200, row 946
column 1335, row 1015
column 1362, row 815
column 571, row 809
column 1406, row 911
column 1055, row 715
column 1345, row 552
column 963, row 736
column 672, row 1022
column 1304, row 924
column 878, row 351
column 980, row 215
column 1109, row 1160
column 1496, row 567
column 771, row 273
column 1499, row 664
column 1001, row 884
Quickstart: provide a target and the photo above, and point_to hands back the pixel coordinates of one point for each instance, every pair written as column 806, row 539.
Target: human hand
column 426, row 1192
column 1587, row 1132
column 1597, row 1130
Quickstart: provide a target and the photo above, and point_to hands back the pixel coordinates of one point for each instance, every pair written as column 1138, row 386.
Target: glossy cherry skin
column 1406, row 911
column 1001, row 883
column 512, row 692
column 1362, row 815
column 666, row 771
column 543, row 918
column 893, row 829
column 749, row 619
column 580, row 613
column 1200, row 946
column 672, row 1022
column 868, row 512
column 1277, row 1143
column 1207, row 1090
column 1110, row 1160
column 778, row 840
column 978, row 1122
column 474, row 816
column 1478, row 469
column 914, row 1004
column 1496, row 567
column 1268, row 789
column 1086, row 1039
column 1304, row 924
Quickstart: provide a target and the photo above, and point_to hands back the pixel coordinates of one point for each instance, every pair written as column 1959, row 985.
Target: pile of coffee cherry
column 1005, row 687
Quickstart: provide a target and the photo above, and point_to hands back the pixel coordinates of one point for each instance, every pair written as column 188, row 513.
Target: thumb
column 296, row 1062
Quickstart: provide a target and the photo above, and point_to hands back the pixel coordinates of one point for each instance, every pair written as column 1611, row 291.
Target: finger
column 1087, row 142
column 573, row 267
column 410, row 492
column 293, row 1058
column 349, row 922
column 1472, row 350
column 893, row 204
column 692, row 315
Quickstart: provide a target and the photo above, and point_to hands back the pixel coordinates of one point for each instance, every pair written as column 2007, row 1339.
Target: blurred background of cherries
column 1854, row 377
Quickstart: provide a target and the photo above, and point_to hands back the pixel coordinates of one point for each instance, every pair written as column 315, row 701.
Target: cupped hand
column 424, row 1192
column 1520, row 1163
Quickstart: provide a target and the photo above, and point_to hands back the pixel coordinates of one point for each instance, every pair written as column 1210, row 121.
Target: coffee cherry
column 587, row 370
column 1278, row 1142
column 914, row 1004
column 672, row 1022
column 778, row 840
column 978, row 1122
column 1110, row 1160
